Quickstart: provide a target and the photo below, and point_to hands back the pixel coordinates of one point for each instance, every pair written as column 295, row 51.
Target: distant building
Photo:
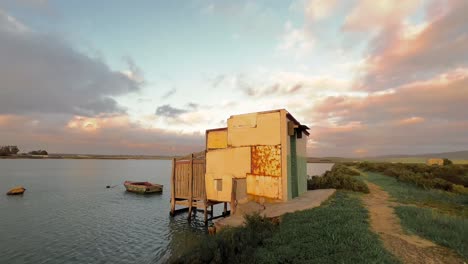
column 435, row 161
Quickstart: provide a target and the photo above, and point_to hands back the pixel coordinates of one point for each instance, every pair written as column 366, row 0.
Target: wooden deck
column 188, row 186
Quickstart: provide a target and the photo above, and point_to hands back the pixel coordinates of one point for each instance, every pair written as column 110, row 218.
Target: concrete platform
column 308, row 200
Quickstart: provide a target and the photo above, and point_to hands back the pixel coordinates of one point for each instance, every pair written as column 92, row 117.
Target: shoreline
column 96, row 157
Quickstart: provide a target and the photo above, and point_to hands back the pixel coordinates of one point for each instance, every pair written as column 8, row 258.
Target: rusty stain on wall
column 266, row 160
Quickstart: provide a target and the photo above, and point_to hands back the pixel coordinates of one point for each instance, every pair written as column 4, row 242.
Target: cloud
column 370, row 15
column 95, row 135
column 405, row 52
column 169, row 111
column 285, row 83
column 42, row 73
column 319, row 9
column 169, row 93
column 424, row 116
column 297, row 41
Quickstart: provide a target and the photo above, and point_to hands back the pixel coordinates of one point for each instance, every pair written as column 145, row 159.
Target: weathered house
column 263, row 153
column 258, row 156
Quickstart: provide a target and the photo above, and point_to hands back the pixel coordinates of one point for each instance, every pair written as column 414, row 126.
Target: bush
column 340, row 177
column 232, row 244
column 422, row 175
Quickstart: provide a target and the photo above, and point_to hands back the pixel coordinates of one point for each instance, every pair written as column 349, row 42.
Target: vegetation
column 336, row 232
column 447, row 162
column 8, row 150
column 232, row 245
column 38, row 152
column 434, row 214
column 452, row 178
column 445, row 230
column 407, row 193
column 340, row 177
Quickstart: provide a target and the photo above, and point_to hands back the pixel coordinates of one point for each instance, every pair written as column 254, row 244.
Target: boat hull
column 143, row 187
column 16, row 190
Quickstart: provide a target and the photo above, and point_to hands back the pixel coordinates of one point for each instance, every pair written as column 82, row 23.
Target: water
column 319, row 169
column 68, row 216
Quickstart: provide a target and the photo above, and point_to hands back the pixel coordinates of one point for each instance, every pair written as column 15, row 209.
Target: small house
column 258, row 156
column 435, row 161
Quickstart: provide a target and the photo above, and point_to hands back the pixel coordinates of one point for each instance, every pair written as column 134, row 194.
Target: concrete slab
column 308, row 200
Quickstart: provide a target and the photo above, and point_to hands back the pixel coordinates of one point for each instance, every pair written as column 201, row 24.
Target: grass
column 402, row 192
column 439, row 216
column 445, row 230
column 336, row 232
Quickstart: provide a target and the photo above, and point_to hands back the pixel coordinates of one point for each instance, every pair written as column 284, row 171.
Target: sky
column 369, row 77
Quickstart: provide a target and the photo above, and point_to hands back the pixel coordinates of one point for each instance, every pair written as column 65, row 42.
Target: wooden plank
column 190, row 178
column 173, row 187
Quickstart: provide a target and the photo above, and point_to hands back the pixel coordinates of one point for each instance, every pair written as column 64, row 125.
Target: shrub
column 422, row 175
column 232, row 244
column 340, row 177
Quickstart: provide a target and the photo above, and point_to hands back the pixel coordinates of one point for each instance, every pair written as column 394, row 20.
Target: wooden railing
column 188, row 180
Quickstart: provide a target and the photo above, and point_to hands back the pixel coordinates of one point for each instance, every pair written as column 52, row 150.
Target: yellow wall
column 254, row 129
column 216, row 139
column 225, row 164
column 266, row 186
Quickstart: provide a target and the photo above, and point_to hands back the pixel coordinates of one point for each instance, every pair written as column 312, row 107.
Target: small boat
column 16, row 190
column 142, row 187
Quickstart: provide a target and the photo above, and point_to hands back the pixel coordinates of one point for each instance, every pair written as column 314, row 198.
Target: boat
column 16, row 190
column 142, row 187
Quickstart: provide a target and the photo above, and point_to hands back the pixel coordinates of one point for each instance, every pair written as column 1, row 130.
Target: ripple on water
column 68, row 216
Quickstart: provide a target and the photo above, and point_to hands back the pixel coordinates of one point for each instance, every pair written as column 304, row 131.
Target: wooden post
column 225, row 209
column 211, row 211
column 233, row 197
column 206, row 213
column 190, row 187
column 173, row 187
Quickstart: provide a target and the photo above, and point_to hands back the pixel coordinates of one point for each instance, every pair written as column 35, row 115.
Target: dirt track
column 408, row 248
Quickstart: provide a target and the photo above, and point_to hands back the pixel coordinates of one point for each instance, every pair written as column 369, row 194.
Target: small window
column 219, row 185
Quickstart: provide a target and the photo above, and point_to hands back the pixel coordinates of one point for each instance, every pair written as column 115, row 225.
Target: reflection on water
column 318, row 169
column 67, row 214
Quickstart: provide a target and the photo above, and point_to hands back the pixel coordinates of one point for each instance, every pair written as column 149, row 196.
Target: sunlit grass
column 402, row 192
column 336, row 232
column 445, row 230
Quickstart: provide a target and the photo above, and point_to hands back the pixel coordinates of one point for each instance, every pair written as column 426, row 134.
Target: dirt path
column 408, row 248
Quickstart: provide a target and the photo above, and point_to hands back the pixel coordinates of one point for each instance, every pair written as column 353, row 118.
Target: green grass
column 445, row 230
column 337, row 232
column 408, row 193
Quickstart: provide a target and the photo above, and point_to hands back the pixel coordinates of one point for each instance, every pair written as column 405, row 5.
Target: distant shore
column 80, row 156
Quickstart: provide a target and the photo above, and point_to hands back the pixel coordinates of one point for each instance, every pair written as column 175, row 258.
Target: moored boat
column 142, row 187
column 16, row 190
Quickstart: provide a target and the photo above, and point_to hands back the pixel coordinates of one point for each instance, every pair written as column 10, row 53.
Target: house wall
column 301, row 148
column 216, row 139
column 252, row 152
column 301, row 160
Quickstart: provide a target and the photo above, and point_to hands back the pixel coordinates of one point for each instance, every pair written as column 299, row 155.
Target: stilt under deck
column 188, row 187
